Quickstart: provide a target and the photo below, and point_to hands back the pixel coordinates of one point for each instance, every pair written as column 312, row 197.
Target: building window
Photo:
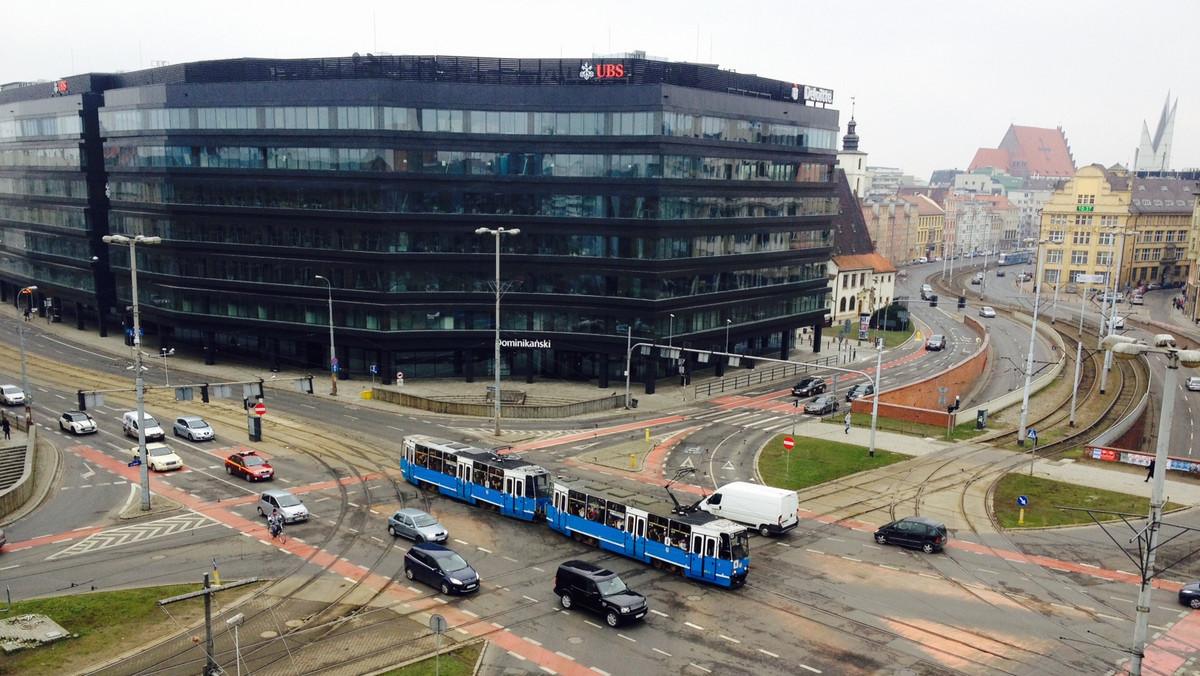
column 1054, row 256
column 1104, row 258
column 1081, row 237
column 1079, row 257
column 1107, row 238
column 1109, row 221
column 1083, row 220
column 1085, row 199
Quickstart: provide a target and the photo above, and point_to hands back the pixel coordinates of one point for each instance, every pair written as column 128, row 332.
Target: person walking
column 7, row 429
column 1149, row 473
column 847, row 422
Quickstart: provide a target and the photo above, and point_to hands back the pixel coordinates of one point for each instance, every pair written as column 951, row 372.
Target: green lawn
column 459, row 662
column 962, row 432
column 815, row 461
column 1045, row 498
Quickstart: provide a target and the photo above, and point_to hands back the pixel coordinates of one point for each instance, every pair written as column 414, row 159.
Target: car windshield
column 160, row 451
column 613, row 585
column 288, row 500
column 75, row 417
column 253, row 461
column 424, row 520
column 149, row 422
column 11, row 389
column 196, row 424
column 452, row 563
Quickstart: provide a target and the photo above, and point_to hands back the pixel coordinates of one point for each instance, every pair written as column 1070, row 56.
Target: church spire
column 850, row 140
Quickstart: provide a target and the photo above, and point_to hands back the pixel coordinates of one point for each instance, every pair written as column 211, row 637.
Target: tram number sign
column 260, row 409
column 789, row 443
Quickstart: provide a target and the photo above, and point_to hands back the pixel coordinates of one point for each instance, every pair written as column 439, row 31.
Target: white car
column 1193, row 384
column 77, row 422
column 12, row 395
column 1118, row 323
column 193, row 427
column 987, row 311
column 159, row 457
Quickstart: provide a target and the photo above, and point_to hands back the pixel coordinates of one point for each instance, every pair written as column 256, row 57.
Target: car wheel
column 612, row 618
column 927, row 547
column 881, row 538
column 391, row 530
column 228, row 470
column 565, row 601
column 260, row 512
column 446, row 588
column 763, row 530
column 408, row 572
column 1194, row 603
column 250, row 478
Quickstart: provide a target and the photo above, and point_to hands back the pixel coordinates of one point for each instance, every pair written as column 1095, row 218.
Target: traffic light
column 127, row 322
column 962, row 302
column 933, row 301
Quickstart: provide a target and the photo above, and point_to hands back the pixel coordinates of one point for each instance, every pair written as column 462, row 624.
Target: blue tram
column 697, row 545
column 1015, row 257
column 506, row 483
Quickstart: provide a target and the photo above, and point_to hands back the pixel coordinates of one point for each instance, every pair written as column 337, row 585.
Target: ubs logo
column 601, row 71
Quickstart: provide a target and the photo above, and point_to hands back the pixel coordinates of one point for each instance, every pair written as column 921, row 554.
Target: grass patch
column 106, row 623
column 815, row 461
column 460, row 662
column 1046, row 496
column 962, row 432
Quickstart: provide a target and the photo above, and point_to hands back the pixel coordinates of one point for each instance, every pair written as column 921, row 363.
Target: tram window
column 538, row 486
column 710, row 547
column 435, row 460
column 422, row 458
column 576, row 504
column 596, row 509
column 658, row 529
column 495, row 478
column 679, row 534
column 479, row 477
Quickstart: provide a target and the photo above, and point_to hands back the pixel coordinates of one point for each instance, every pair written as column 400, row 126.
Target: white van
column 772, row 511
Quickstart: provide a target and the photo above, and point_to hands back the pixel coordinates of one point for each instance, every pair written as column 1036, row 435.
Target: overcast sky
column 932, row 80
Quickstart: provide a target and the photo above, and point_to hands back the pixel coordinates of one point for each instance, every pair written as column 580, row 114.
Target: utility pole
column 210, row 668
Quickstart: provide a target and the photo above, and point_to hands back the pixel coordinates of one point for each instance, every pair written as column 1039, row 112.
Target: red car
column 250, row 465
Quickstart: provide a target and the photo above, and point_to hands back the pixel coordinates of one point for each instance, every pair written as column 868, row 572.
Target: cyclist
column 275, row 523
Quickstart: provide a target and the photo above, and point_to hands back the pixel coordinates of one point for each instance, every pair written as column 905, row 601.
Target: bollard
column 1021, row 516
column 632, row 461
column 647, row 434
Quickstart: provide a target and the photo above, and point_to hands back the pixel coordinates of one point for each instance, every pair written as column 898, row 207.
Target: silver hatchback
column 417, row 526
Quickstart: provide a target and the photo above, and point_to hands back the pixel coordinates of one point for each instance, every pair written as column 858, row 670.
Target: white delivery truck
column 771, row 511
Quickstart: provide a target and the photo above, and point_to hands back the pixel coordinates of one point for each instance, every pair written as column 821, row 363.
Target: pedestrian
column 1150, row 474
column 847, row 422
column 7, row 429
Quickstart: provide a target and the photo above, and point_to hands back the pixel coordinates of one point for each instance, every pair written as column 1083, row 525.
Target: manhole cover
column 268, row 634
column 575, row 639
column 292, row 624
column 695, row 598
column 158, row 557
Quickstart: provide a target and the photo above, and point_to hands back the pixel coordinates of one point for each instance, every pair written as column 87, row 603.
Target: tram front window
column 740, row 548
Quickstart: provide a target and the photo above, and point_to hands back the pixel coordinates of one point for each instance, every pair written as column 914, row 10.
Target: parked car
column 417, row 526
column 1001, row 273
column 585, row 585
column 440, row 567
column 193, row 427
column 12, row 395
column 149, row 424
column 860, row 390
column 1153, row 287
column 1193, row 384
column 987, row 311
column 250, row 465
column 1137, row 299
column 808, row 387
column 914, row 531
column 159, row 457
column 822, row 404
column 288, row 505
column 1189, row 594
column 77, row 422
column 1117, row 321
column 936, row 342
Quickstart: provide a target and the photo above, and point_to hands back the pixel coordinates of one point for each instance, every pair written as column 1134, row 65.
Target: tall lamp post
column 24, row 376
column 496, row 232
column 1124, row 347
column 333, row 363
column 1037, row 296
column 139, row 385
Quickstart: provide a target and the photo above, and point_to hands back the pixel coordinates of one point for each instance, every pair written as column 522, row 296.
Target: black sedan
column 440, row 567
column 820, row 405
column 860, row 390
column 808, row 387
column 1189, row 595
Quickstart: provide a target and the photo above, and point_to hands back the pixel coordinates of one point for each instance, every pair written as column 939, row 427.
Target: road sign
column 374, row 369
column 260, row 409
column 135, row 462
column 789, row 443
column 1032, row 434
column 1022, row 501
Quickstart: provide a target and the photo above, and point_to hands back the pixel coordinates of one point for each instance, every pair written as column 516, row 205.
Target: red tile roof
column 1029, row 151
column 871, row 261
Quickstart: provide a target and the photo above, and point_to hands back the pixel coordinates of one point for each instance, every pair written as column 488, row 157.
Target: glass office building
column 657, row 202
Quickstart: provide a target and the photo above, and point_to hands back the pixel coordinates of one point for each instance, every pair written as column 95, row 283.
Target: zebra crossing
column 486, row 435
column 769, row 418
column 123, row 535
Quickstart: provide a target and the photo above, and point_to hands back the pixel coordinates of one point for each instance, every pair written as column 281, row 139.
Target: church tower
column 1154, row 154
column 853, row 161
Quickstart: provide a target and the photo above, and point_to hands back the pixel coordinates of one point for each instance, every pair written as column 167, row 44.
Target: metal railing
column 761, row 375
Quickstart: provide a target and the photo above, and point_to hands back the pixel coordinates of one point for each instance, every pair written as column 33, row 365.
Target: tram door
column 514, row 491
column 635, row 527
column 703, row 554
column 462, row 486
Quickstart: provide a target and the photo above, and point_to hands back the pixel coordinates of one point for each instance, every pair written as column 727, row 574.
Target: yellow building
column 1085, row 223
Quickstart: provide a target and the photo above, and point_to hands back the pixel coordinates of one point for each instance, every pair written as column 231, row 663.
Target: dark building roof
column 1163, row 195
column 851, row 236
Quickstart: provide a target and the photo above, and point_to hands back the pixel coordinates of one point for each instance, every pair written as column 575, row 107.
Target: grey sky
column 933, row 81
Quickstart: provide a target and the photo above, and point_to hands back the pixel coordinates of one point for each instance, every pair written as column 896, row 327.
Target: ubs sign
column 601, row 71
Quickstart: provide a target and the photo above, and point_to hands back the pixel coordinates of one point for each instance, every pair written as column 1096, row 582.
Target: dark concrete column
column 210, row 348
column 603, row 371
column 817, row 329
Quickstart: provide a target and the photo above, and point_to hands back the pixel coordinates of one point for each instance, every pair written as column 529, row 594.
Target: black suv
column 579, row 583
column 808, row 387
column 860, row 390
column 914, row 531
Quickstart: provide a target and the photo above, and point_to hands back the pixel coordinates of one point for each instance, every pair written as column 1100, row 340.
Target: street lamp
column 727, row 323
column 164, row 353
column 333, row 363
column 139, row 385
column 671, row 332
column 1125, row 347
column 235, row 622
column 1037, row 296
column 496, row 365
column 24, row 375
column 1112, row 300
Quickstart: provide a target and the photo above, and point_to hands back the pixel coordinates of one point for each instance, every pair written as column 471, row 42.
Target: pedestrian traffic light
column 962, row 302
